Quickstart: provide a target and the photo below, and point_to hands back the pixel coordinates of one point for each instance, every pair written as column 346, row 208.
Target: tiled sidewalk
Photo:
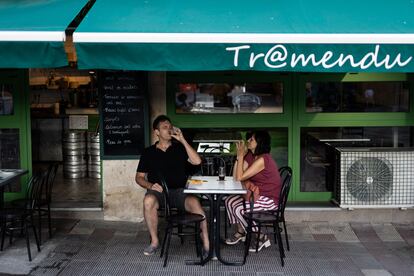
column 317, row 248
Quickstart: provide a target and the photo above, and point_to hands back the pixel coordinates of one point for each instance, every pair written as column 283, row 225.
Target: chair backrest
column 51, row 174
column 165, row 192
column 33, row 189
column 286, row 178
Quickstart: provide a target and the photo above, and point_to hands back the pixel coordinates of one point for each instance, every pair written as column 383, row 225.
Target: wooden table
column 215, row 189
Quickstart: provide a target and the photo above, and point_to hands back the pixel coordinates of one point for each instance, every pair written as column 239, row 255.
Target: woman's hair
column 262, row 138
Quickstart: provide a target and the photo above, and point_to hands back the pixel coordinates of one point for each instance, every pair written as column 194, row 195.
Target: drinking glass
column 222, row 172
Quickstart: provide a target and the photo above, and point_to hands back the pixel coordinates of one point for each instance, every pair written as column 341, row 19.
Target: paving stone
column 366, row 262
column 344, row 266
column 376, row 272
column 344, row 233
column 320, row 267
column 387, row 232
column 365, row 232
column 354, row 249
column 79, row 230
column 406, row 232
column 325, row 249
column 102, row 234
column 300, row 233
column 320, row 228
column 392, row 263
column 77, row 268
column 324, row 237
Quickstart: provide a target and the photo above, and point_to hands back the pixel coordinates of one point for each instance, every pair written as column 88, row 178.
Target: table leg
column 214, row 232
column 217, row 233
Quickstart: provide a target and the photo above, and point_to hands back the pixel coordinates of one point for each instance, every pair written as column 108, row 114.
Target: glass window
column 318, row 150
column 387, row 96
column 229, row 97
column 6, row 99
column 213, row 143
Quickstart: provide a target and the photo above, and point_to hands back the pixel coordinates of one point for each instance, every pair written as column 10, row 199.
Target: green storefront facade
column 360, row 47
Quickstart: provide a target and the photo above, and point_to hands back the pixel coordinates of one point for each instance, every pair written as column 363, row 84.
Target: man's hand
column 156, row 187
column 178, row 134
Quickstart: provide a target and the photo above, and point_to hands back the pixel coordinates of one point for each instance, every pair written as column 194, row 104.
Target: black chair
column 180, row 221
column 45, row 199
column 270, row 218
column 20, row 219
column 286, row 177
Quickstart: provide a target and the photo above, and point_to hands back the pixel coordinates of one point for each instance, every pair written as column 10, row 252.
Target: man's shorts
column 176, row 196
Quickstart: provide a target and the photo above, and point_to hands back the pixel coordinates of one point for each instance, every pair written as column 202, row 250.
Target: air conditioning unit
column 374, row 177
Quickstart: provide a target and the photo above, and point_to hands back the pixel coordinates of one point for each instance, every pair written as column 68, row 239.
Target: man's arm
column 193, row 156
column 141, row 181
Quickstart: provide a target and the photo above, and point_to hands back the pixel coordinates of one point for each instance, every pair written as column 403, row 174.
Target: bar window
column 6, row 99
column 386, row 96
column 215, row 98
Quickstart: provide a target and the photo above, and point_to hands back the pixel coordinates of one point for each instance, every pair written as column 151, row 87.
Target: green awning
column 32, row 32
column 266, row 35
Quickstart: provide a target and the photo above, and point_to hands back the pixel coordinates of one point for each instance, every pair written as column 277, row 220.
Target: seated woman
column 259, row 172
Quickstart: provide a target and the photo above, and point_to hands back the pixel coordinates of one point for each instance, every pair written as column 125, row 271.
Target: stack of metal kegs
column 94, row 157
column 74, row 154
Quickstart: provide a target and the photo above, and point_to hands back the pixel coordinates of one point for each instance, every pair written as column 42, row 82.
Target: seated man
column 170, row 158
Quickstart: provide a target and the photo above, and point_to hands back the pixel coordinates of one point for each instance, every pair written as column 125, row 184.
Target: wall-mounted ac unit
column 374, row 177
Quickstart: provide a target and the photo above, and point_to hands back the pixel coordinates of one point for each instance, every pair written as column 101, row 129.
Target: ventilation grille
column 374, row 178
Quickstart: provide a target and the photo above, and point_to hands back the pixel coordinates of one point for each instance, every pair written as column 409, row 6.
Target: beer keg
column 74, row 154
column 94, row 157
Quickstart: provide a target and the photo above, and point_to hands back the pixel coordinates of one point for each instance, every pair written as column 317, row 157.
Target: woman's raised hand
column 241, row 148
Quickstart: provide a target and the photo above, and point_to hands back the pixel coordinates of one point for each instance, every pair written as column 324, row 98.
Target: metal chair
column 286, row 176
column 271, row 218
column 45, row 199
column 180, row 221
column 22, row 218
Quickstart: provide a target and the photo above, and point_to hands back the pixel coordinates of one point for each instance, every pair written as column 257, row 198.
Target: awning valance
column 267, row 35
column 32, row 32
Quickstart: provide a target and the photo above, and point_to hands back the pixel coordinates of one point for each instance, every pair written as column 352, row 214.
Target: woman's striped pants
column 235, row 208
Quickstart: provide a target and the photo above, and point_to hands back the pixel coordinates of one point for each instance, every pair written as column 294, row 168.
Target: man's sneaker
column 263, row 242
column 150, row 250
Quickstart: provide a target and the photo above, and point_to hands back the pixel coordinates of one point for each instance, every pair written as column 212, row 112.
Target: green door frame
column 294, row 116
column 19, row 80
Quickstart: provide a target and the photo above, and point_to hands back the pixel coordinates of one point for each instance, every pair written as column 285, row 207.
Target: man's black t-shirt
column 172, row 164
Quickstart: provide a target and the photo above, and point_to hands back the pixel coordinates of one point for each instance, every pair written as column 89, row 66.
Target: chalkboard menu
column 9, row 148
column 123, row 111
column 10, row 153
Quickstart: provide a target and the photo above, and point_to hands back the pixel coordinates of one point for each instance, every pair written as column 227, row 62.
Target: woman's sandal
column 263, row 242
column 236, row 238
